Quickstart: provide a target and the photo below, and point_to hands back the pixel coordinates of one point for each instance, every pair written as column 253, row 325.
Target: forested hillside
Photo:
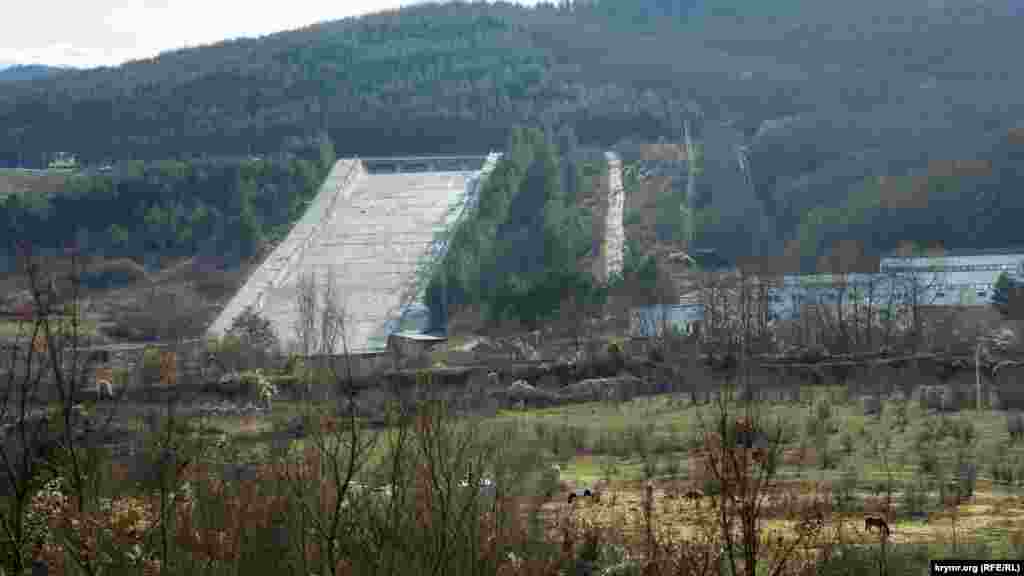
column 822, row 96
column 171, row 208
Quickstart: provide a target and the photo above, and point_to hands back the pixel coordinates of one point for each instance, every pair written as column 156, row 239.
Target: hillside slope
column 873, row 88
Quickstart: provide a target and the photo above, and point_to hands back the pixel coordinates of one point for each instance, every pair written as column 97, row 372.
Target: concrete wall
column 376, row 232
column 337, row 187
column 376, row 242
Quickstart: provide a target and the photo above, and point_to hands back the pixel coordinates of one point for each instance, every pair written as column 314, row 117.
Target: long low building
column 954, row 279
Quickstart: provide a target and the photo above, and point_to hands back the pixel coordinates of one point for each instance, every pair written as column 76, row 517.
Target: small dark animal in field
column 875, row 521
column 745, row 432
column 694, row 495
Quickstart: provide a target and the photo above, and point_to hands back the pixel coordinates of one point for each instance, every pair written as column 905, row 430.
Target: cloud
column 110, row 32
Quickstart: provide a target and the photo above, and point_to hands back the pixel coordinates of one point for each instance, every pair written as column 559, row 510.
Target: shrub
column 999, row 463
column 578, row 437
column 609, row 468
column 965, row 433
column 671, row 466
column 811, row 426
column 567, row 441
column 623, row 444
column 256, row 382
column 826, row 457
column 616, row 357
column 845, row 493
column 640, row 436
column 915, row 496
column 928, row 461
column 847, row 443
column 948, row 428
column 967, row 475
column 772, row 459
column 814, row 425
column 121, row 377
column 784, row 431
column 650, row 466
column 150, row 365
column 295, row 365
column 550, row 478
column 289, row 384
column 927, row 440
column 901, row 419
column 253, row 329
column 823, row 410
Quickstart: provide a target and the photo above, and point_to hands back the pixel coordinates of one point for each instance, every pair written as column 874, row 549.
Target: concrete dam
column 373, row 224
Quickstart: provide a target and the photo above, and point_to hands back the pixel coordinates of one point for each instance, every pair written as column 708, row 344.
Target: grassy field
column 594, row 440
column 617, row 445
column 831, row 454
column 614, row 448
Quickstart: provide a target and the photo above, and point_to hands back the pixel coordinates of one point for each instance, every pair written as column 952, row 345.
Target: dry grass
column 621, row 506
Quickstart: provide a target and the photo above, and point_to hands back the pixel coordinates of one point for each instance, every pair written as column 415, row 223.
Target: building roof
column 967, row 252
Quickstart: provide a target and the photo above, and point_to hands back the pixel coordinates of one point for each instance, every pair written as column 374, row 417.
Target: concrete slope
column 382, row 229
column 345, row 175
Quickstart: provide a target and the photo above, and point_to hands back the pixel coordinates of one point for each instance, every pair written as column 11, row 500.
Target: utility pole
column 977, row 372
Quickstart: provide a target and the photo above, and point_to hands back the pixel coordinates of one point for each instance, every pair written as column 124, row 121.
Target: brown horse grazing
column 880, row 523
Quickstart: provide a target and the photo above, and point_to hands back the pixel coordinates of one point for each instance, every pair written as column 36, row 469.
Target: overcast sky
column 109, row 32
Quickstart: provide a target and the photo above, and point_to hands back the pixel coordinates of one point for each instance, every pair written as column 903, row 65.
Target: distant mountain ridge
column 29, row 72
column 816, row 119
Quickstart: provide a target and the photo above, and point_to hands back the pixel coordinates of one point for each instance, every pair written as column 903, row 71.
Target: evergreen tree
column 1004, row 292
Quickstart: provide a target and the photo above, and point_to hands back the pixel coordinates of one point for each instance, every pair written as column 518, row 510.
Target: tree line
column 228, row 208
column 882, row 90
column 516, row 255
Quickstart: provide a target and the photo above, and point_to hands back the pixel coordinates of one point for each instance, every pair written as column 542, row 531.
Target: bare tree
column 331, row 320
column 340, row 444
column 305, row 327
column 38, row 444
column 741, row 454
column 870, row 287
column 918, row 282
